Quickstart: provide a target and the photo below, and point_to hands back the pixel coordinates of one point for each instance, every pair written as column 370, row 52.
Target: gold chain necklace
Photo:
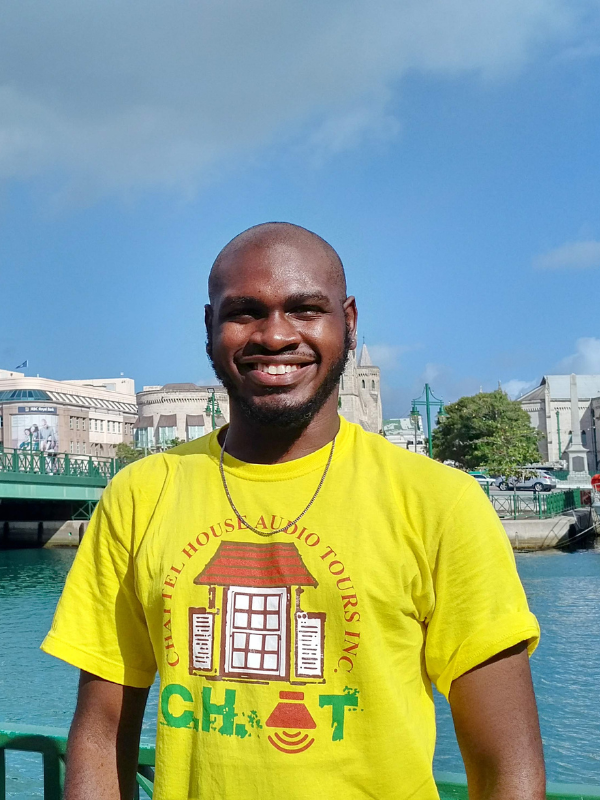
column 292, row 522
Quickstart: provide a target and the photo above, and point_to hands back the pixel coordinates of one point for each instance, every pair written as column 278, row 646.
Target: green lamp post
column 429, row 401
column 212, row 408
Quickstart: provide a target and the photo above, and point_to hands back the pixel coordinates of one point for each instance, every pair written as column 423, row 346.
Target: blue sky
column 448, row 149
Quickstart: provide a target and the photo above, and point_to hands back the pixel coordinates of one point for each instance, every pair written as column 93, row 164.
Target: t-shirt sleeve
column 480, row 606
column 99, row 625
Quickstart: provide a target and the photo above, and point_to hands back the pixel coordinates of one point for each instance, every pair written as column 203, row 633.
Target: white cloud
column 572, row 255
column 124, row 96
column 387, row 356
column 585, row 360
column 515, row 388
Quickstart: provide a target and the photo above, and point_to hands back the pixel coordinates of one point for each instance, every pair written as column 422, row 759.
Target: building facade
column 360, row 392
column 549, row 406
column 404, row 433
column 80, row 417
column 178, row 411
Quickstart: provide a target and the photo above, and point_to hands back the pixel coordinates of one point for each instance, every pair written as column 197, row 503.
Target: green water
column 563, row 591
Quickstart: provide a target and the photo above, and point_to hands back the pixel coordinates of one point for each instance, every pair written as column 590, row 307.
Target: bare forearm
column 495, row 718
column 104, row 740
column 100, row 766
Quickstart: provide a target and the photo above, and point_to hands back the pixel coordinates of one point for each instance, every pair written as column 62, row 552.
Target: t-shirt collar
column 286, row 470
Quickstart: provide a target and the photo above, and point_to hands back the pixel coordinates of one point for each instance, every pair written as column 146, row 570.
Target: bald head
column 270, row 235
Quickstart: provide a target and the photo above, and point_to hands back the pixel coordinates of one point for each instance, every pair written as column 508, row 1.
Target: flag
column 24, row 364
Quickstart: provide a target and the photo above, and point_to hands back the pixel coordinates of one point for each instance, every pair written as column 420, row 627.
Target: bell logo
column 293, row 717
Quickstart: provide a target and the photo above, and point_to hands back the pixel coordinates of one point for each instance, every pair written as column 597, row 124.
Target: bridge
column 28, row 475
column 45, row 496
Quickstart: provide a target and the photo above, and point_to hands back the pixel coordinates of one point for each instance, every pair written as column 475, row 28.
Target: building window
column 583, row 438
column 76, row 423
column 144, row 437
column 71, row 423
column 78, row 448
column 165, row 435
column 373, row 385
column 84, row 448
column 363, row 385
column 195, row 432
column 95, row 424
column 83, row 424
column 101, row 426
column 70, row 447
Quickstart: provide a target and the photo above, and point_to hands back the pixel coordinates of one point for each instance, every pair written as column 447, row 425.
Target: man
column 47, row 437
column 297, row 582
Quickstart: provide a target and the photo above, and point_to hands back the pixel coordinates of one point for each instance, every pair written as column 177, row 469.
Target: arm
column 496, row 722
column 102, row 753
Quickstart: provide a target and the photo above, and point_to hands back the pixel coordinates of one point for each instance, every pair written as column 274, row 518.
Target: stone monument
column 576, row 452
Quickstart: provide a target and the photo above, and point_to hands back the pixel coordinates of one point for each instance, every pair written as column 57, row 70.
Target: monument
column 576, row 452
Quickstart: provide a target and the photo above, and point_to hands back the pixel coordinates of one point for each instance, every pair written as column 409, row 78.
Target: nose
column 275, row 332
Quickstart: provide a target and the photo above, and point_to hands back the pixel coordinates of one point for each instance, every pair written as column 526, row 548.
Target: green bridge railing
column 59, row 465
column 537, row 505
column 52, row 743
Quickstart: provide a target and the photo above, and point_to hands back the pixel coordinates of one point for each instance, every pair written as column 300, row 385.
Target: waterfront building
column 80, row 417
column 403, row 433
column 178, row 411
column 551, row 410
column 360, row 392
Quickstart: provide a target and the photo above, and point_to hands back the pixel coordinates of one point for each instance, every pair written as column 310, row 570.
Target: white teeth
column 277, row 369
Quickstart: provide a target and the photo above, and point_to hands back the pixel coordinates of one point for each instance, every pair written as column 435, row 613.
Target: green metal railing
column 52, row 744
column 536, row 505
column 62, row 465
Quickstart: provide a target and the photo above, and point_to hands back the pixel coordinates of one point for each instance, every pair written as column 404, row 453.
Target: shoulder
column 411, row 470
column 147, row 476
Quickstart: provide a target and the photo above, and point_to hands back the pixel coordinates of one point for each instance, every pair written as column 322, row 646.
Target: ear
column 208, row 318
column 351, row 315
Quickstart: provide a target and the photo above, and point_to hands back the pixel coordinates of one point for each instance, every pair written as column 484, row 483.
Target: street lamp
column 415, row 419
column 212, row 407
column 429, row 400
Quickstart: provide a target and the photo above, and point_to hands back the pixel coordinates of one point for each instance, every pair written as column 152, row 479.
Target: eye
column 307, row 311
column 242, row 314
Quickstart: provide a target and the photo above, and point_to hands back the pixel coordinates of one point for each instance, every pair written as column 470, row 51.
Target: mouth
column 276, row 373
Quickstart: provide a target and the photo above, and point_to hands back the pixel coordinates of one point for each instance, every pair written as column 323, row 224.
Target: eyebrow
column 297, row 299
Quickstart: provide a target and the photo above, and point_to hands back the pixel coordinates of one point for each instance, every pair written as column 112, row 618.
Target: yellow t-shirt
column 297, row 665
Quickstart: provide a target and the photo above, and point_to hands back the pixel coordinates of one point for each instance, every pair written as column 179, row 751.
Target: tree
column 126, row 453
column 487, row 430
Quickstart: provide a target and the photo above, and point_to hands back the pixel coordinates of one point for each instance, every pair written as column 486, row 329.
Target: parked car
column 483, row 478
column 540, row 481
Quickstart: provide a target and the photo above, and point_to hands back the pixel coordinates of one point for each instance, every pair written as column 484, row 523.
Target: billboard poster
column 37, row 431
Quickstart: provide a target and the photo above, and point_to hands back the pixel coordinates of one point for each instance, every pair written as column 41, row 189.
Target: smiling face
column 279, row 329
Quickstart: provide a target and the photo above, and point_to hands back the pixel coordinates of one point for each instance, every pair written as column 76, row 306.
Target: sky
column 448, row 149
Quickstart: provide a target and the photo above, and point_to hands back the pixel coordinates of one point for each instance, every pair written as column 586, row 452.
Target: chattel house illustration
column 253, row 627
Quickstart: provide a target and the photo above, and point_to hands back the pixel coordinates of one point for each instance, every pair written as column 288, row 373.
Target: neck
column 267, row 444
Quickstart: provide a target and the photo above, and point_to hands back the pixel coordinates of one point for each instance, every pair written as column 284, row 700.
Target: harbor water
column 563, row 591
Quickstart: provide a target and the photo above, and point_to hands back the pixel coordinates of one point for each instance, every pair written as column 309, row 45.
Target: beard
column 286, row 414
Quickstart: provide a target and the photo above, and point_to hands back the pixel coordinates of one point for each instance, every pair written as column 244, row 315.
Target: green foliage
column 126, row 453
column 174, row 442
column 487, row 430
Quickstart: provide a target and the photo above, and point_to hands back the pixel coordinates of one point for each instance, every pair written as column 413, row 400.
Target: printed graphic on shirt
column 291, row 723
column 262, row 635
column 250, row 627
